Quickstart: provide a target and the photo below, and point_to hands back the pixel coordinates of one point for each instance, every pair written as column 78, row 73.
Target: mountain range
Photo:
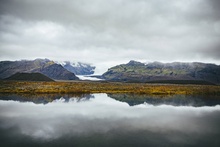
column 44, row 66
column 133, row 71
column 177, row 71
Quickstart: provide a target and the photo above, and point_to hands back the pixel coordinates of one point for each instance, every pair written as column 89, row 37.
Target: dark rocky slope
column 29, row 77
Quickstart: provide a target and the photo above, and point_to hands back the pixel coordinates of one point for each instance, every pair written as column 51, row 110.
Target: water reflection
column 103, row 121
column 45, row 98
column 175, row 100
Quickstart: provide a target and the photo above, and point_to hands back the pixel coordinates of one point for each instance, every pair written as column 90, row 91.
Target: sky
column 105, row 33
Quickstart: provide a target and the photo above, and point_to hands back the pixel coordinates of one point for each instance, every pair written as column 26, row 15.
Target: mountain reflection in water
column 175, row 100
column 98, row 120
column 45, row 98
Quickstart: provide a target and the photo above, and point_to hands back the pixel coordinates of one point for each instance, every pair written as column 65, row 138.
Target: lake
column 109, row 120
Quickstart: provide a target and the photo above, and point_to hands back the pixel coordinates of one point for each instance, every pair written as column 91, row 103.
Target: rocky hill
column 44, row 66
column 29, row 77
column 78, row 68
column 140, row 72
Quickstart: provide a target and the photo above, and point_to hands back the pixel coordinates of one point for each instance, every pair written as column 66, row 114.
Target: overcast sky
column 109, row 32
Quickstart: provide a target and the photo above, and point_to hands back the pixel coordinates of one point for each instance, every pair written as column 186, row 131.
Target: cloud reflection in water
column 114, row 122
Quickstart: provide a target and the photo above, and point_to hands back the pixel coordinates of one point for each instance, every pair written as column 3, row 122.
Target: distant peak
column 133, row 62
column 40, row 59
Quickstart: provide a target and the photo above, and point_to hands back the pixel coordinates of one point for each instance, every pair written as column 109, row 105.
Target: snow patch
column 87, row 77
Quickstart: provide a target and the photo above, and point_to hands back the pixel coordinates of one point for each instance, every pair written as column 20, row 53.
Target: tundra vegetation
column 88, row 87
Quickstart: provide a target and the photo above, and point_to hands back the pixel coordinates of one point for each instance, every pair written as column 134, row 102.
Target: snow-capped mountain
column 78, row 68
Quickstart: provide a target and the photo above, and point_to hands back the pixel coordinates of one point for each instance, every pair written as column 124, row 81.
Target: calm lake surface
column 109, row 120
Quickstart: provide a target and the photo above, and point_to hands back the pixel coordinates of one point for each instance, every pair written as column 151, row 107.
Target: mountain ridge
column 135, row 71
column 44, row 66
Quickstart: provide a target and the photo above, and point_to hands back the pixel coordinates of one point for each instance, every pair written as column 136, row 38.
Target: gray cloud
column 110, row 31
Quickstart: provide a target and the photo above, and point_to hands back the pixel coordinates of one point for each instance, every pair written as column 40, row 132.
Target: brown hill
column 29, row 77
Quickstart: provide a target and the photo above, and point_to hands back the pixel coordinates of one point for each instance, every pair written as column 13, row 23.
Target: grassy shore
column 106, row 87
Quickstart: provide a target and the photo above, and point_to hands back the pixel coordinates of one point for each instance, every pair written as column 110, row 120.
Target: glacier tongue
column 87, row 77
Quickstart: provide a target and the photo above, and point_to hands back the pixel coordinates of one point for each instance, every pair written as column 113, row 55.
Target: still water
column 109, row 120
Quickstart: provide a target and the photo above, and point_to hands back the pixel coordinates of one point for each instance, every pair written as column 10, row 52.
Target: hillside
column 139, row 72
column 29, row 77
column 44, row 66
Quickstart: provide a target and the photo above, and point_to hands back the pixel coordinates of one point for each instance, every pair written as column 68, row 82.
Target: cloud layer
column 110, row 32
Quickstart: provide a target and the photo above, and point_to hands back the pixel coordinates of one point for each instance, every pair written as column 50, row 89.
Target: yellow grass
column 106, row 87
